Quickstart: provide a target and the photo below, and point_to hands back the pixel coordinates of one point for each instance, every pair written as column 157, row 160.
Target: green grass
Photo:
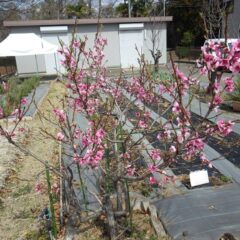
column 162, row 76
column 17, row 90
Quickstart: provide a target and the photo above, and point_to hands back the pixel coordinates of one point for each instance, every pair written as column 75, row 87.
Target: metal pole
column 129, row 8
column 56, row 63
column 164, row 9
column 36, row 64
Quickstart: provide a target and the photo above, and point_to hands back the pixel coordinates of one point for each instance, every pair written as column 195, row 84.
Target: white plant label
column 198, row 178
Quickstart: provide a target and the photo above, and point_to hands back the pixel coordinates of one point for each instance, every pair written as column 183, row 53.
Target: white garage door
column 130, row 39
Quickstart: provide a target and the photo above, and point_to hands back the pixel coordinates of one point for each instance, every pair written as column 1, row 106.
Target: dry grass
column 141, row 226
column 20, row 204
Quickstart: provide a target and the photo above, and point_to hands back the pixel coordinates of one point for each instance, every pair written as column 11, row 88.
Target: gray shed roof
column 85, row 21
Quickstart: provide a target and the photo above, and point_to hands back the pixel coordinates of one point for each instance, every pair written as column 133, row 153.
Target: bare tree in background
column 155, row 41
column 13, row 10
column 213, row 14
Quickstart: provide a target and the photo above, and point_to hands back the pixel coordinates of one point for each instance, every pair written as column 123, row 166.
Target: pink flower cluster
column 193, row 147
column 60, row 114
column 155, row 154
column 92, row 141
column 96, row 55
column 217, row 55
column 229, row 84
column 140, row 90
column 224, row 127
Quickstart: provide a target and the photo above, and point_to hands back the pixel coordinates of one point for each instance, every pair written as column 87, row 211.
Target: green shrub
column 188, row 39
column 17, row 90
column 182, row 52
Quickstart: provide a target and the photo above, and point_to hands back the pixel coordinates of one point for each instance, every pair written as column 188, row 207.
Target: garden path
column 36, row 98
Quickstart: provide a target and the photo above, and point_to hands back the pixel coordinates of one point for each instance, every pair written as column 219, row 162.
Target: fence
column 7, row 66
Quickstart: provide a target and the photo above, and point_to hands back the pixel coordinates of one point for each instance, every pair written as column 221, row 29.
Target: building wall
column 108, row 31
column 112, row 50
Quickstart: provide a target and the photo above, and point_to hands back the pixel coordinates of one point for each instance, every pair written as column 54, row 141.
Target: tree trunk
column 211, row 83
column 110, row 217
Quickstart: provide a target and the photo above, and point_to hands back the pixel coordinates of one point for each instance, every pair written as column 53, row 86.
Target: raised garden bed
column 181, row 167
column 9, row 100
column 32, row 89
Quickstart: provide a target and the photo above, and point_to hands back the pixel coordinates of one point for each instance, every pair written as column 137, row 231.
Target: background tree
column 108, row 10
column 185, row 25
column 13, row 10
column 122, row 10
column 213, row 15
column 81, row 10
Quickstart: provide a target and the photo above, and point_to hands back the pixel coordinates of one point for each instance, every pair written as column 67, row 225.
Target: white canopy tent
column 25, row 44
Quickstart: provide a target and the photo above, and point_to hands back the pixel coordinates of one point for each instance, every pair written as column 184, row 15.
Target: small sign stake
column 198, row 178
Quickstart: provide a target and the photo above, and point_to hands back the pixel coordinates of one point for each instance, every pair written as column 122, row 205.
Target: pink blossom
column 147, row 114
column 140, row 90
column 138, row 114
column 152, row 168
column 125, row 155
column 152, row 181
column 21, row 130
column 235, row 67
column 18, row 113
column 38, row 187
column 1, row 113
column 60, row 136
column 216, row 87
column 236, row 45
column 5, row 86
column 181, row 75
column 176, row 108
column 166, row 134
column 77, row 133
column 203, row 71
column 224, row 127
column 205, row 161
column 229, row 84
column 166, row 179
column 55, row 188
column 100, row 133
column 217, row 100
column 193, row 147
column 23, row 101
column 142, row 124
column 162, row 89
column 130, row 170
column 116, row 93
column 155, row 154
column 59, row 113
column 76, row 44
column 172, row 149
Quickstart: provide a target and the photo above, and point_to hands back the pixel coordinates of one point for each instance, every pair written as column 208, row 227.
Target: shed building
column 123, row 35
